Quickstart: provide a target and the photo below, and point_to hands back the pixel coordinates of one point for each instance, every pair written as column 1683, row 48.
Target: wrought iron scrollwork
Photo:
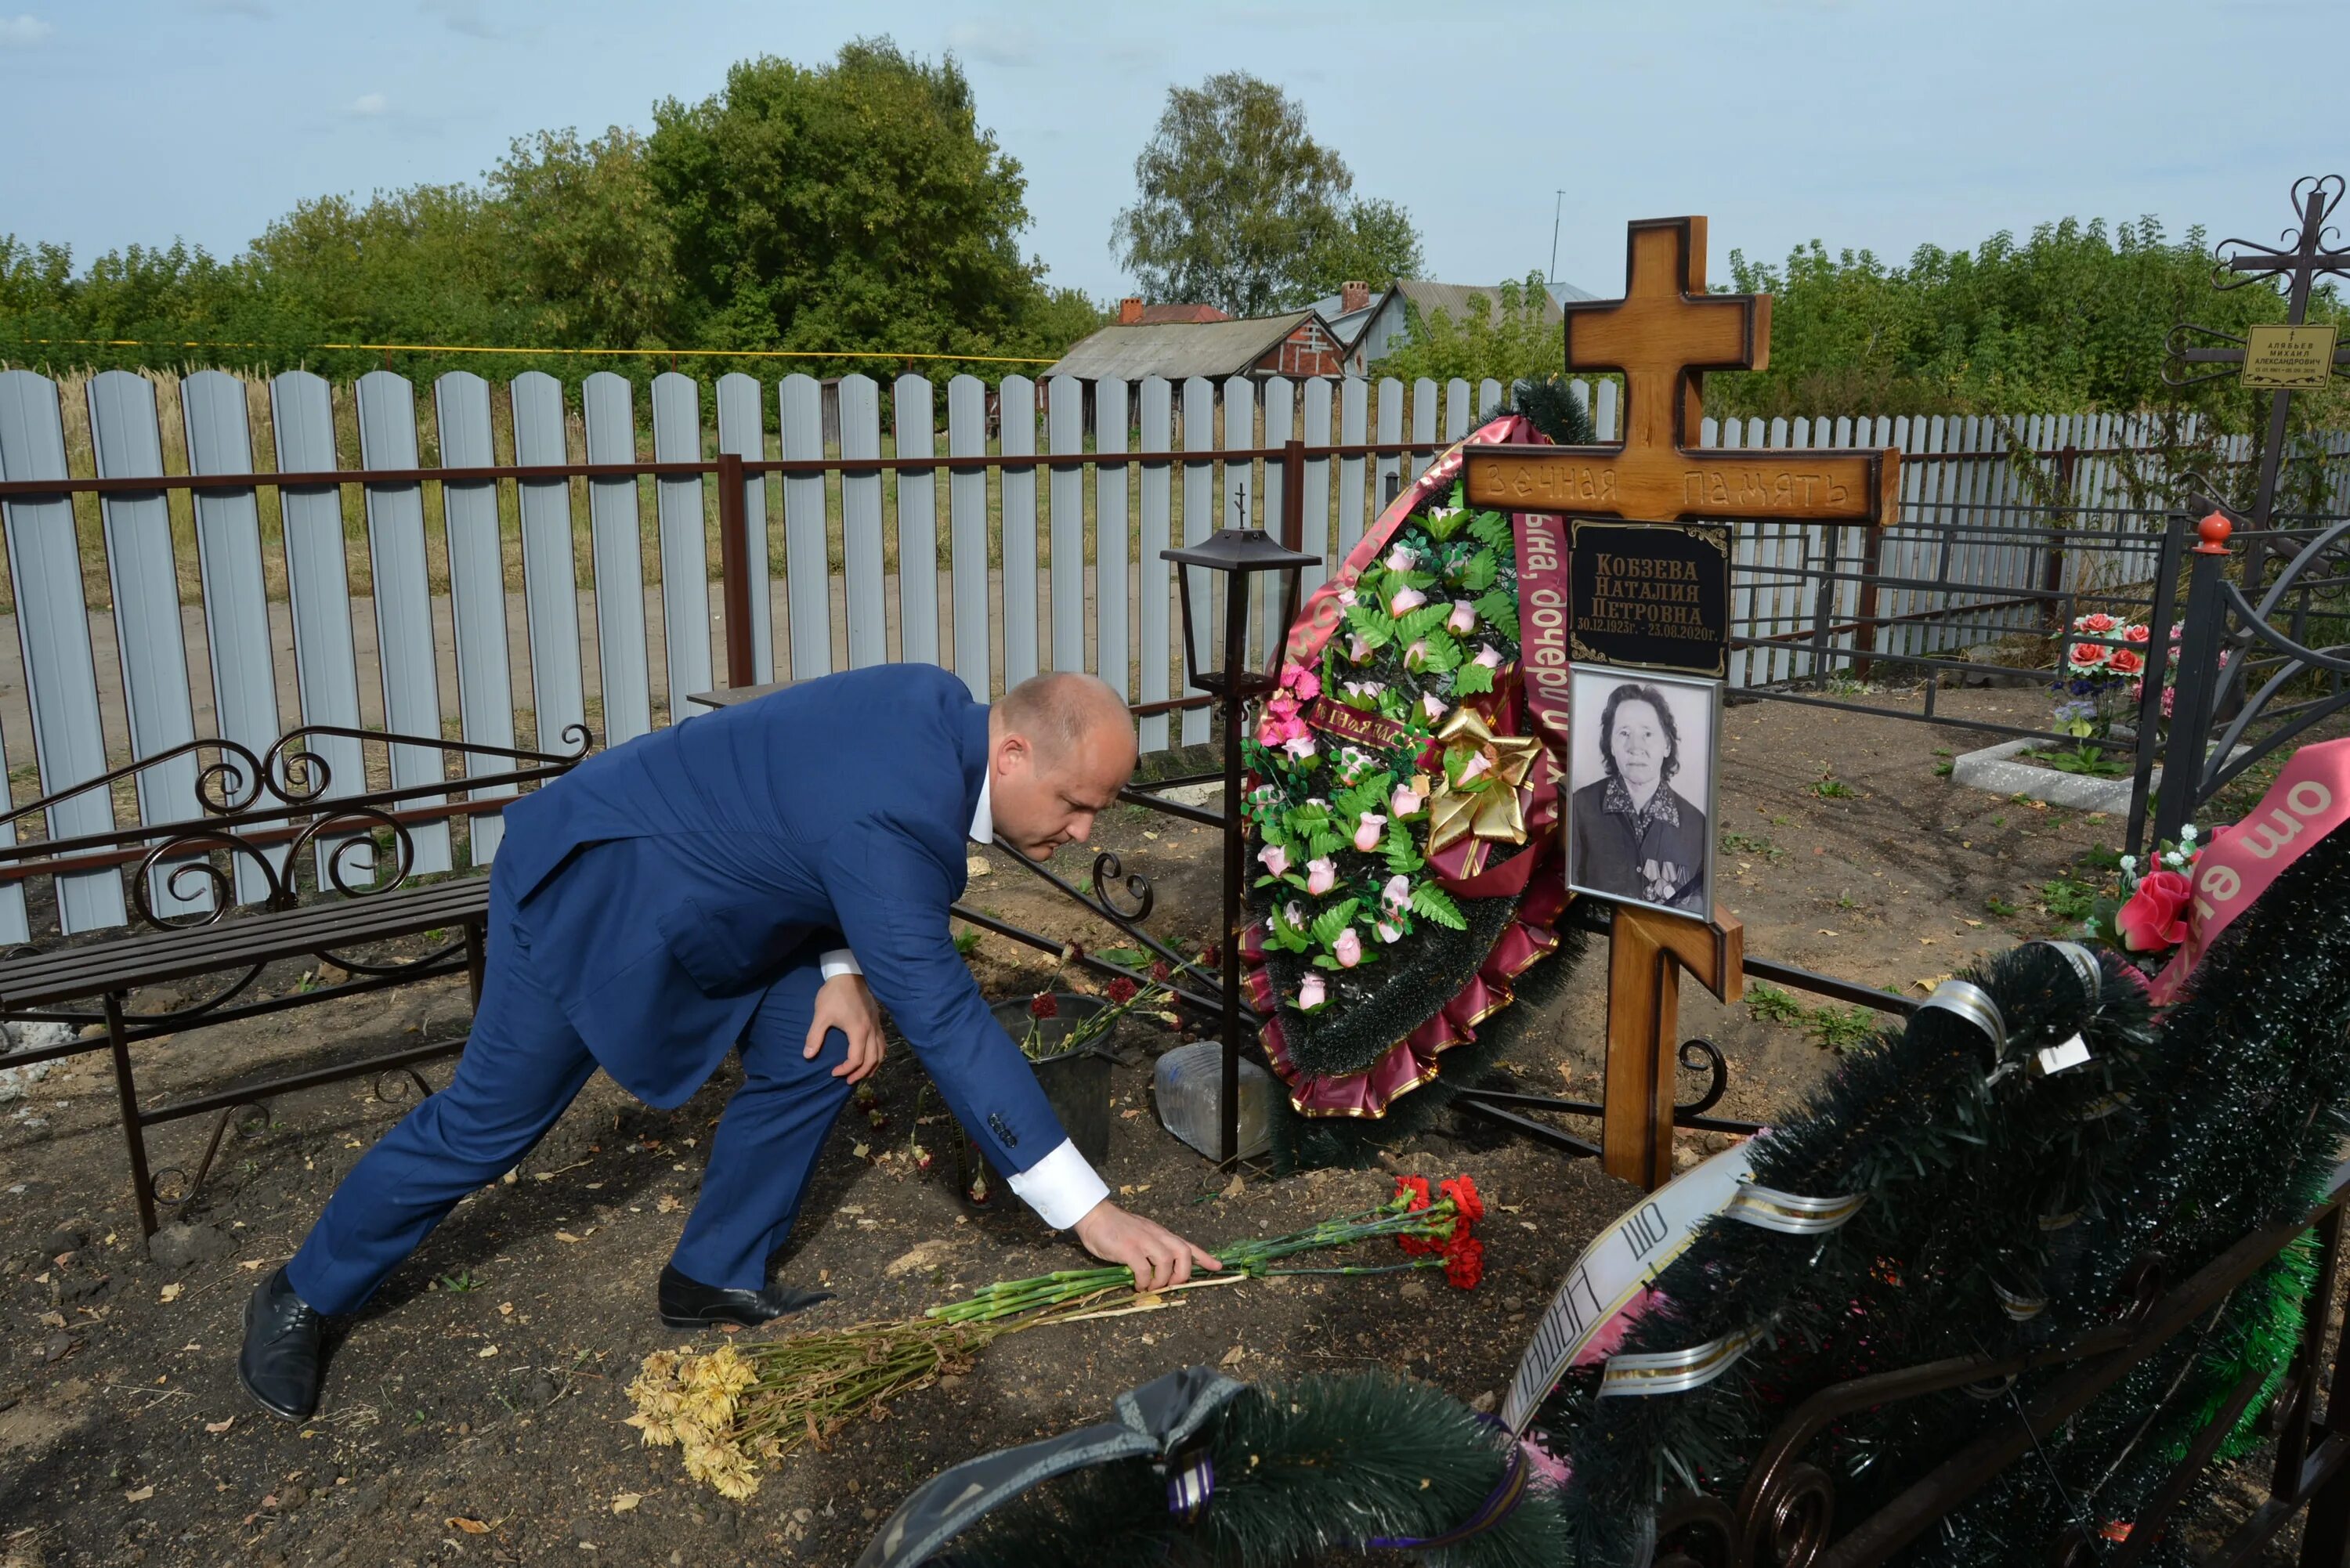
column 1790, row 1517
column 390, row 1088
column 1696, row 1532
column 164, row 1183
column 1708, row 1057
column 1107, row 869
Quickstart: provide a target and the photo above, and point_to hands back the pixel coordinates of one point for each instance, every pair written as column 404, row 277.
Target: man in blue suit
column 737, row 882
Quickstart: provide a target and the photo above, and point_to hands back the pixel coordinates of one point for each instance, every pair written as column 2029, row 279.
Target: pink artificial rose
column 1347, row 948
column 1311, row 993
column 1321, row 876
column 1397, row 895
column 2155, row 918
column 1368, row 690
column 2087, row 656
column 1300, row 746
column 1403, row 558
column 1406, row 600
column 1490, row 656
column 1405, row 802
column 1388, row 933
column 1475, row 767
column 1416, row 655
column 2137, row 632
column 1294, row 915
column 2098, row 624
column 1359, row 652
column 1346, row 597
column 1275, row 858
column 1367, row 831
column 1463, row 618
column 1432, row 705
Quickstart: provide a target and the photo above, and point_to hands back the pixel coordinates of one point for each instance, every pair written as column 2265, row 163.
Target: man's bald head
column 1060, row 747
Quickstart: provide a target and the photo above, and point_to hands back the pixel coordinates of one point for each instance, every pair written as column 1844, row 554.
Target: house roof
column 1452, row 298
column 1176, row 349
column 1162, row 314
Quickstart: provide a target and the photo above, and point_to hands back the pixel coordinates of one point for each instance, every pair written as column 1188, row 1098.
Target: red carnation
column 1463, row 1190
column 1414, row 1187
column 1044, row 1006
column 1122, row 990
column 1160, row 973
column 1464, row 1263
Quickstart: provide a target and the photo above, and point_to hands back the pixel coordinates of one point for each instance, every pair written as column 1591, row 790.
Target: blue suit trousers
column 522, row 1065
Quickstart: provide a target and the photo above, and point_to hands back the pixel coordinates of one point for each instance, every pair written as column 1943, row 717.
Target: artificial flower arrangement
column 2147, row 918
column 1342, row 826
column 2103, row 666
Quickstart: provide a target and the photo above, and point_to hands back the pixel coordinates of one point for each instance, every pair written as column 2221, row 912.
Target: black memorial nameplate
column 1650, row 595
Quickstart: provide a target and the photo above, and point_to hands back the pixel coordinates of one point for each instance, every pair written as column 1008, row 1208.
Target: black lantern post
column 1239, row 554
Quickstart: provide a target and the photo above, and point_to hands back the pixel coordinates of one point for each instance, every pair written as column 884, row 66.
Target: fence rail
column 510, row 561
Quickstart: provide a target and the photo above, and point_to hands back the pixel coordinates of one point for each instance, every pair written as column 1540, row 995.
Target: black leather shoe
column 689, row 1303
column 284, row 1342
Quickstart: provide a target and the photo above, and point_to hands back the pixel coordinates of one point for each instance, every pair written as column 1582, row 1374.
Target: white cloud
column 996, row 43
column 24, row 31
column 461, row 17
column 371, row 103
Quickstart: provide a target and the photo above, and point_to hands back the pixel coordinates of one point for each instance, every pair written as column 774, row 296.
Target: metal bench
column 325, row 873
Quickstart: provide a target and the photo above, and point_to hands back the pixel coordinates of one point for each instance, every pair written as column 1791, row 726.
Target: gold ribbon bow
column 1489, row 806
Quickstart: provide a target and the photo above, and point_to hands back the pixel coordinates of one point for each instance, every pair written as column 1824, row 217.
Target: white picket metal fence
column 320, row 570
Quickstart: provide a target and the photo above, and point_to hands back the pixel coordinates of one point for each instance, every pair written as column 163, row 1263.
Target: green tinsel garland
column 1302, row 1469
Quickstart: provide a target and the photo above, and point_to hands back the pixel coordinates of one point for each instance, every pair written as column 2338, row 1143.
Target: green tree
column 857, row 205
column 591, row 235
column 1510, row 338
column 1239, row 207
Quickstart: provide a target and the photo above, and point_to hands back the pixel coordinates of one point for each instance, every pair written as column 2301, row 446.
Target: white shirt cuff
column 1061, row 1188
column 840, row 961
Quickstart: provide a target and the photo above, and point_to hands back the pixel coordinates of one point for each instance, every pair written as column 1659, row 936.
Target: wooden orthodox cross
column 1663, row 336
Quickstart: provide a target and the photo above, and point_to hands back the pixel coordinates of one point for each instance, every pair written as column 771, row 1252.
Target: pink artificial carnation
column 1297, row 678
column 1275, row 858
column 1349, row 949
column 1367, row 831
column 1463, row 618
column 1405, row 802
column 1490, row 656
column 1405, row 601
column 1321, row 876
column 1311, row 993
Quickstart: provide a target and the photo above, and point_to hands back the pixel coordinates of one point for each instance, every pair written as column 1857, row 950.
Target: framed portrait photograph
column 1642, row 777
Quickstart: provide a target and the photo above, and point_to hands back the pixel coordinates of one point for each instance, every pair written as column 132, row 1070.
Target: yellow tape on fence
column 481, row 348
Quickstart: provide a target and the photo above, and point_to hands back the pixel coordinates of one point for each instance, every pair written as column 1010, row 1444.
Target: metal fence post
column 734, row 571
column 2159, row 665
column 2199, row 679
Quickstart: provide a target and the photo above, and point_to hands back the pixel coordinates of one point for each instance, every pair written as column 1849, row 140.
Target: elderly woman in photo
column 1634, row 835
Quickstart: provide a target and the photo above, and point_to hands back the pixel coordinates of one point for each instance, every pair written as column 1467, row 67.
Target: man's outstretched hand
column 843, row 1002
column 1158, row 1257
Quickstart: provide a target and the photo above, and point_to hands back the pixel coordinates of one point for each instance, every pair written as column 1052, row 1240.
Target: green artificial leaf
column 1372, row 626
column 1402, row 855
column 1496, row 608
column 1324, row 961
column 1420, row 622
column 1334, row 919
column 1479, row 573
column 1285, row 935
column 1443, row 653
column 1471, row 679
column 1327, row 844
column 1434, row 902
column 1492, row 530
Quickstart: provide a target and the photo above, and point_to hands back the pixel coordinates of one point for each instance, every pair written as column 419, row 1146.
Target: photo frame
column 1623, row 843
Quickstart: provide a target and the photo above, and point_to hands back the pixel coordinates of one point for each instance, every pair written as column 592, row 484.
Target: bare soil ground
column 474, row 1412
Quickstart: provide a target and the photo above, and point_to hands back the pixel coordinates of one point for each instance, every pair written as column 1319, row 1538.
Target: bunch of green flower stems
column 742, row 1406
column 1246, row 1259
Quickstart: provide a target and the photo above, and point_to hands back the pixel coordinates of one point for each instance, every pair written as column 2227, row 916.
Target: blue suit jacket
column 662, row 886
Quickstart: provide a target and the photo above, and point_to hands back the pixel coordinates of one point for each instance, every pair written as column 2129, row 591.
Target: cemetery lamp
column 1238, row 555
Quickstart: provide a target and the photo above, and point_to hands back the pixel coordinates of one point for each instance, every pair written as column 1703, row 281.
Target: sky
column 1863, row 123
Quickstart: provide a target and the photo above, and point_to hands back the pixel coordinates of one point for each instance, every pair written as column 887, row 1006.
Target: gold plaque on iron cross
column 2288, row 359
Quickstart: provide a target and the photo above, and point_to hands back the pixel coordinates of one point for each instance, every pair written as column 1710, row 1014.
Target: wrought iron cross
column 2301, row 261
column 1663, row 336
